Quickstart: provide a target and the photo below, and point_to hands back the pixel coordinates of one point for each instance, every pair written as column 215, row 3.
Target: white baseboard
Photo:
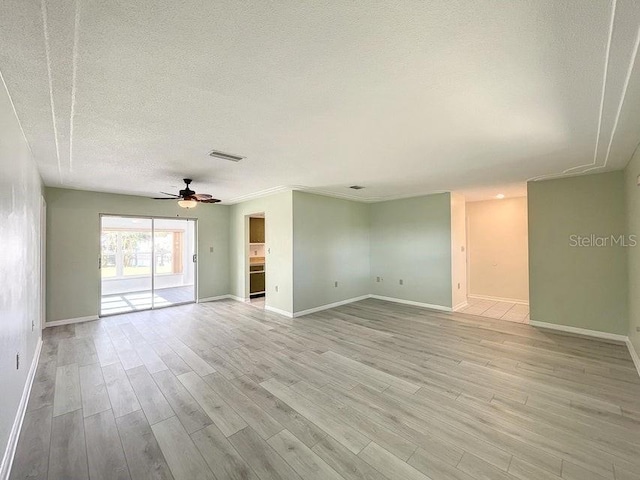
column 499, row 299
column 634, row 354
column 411, row 302
column 580, row 331
column 214, row 299
column 330, row 305
column 14, row 435
column 68, row 321
column 278, row 311
column 460, row 306
column 238, row 299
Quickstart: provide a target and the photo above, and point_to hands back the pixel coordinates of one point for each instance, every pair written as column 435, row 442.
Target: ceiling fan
column 187, row 198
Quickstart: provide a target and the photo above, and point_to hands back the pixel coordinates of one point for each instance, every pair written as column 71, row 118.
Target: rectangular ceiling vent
column 225, row 156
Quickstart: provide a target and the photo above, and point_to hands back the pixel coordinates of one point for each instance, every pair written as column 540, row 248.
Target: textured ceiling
column 402, row 97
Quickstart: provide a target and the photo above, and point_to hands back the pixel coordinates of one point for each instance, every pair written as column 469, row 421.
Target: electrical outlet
column 378, row 279
column 18, row 361
column 335, row 284
column 637, row 329
column 401, row 282
column 210, row 249
column 458, row 285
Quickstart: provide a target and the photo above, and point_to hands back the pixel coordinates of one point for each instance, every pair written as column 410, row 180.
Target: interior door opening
column 146, row 263
column 256, row 260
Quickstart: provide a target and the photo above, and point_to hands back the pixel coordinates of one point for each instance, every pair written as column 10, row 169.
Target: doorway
column 146, row 263
column 498, row 259
column 256, row 259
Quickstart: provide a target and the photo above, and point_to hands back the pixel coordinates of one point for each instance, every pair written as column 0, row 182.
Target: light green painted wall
column 278, row 210
column 584, row 287
column 632, row 191
column 411, row 240
column 330, row 243
column 73, row 246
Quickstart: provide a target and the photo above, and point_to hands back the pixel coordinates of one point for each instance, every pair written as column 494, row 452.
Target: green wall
column 278, row 210
column 632, row 191
column 330, row 244
column 411, row 240
column 73, row 246
column 584, row 287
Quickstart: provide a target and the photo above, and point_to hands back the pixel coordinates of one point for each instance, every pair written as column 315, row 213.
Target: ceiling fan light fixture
column 187, row 203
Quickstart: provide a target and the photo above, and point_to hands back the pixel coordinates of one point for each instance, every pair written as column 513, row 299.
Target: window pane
column 164, row 252
column 109, row 241
column 136, row 253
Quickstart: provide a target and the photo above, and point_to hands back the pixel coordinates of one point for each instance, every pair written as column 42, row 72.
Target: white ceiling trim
column 600, row 113
column 4, row 84
column 74, row 74
column 627, row 79
column 47, row 49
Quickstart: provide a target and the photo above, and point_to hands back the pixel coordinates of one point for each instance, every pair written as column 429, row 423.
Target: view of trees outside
column 135, row 248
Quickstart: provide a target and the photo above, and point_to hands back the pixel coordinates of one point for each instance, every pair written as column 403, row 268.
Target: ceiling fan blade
column 208, row 200
column 166, row 198
column 170, row 194
column 202, row 196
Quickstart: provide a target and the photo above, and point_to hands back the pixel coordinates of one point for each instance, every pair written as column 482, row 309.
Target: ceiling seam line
column 604, row 90
column 627, row 79
column 74, row 72
column 15, row 112
column 45, row 27
column 604, row 86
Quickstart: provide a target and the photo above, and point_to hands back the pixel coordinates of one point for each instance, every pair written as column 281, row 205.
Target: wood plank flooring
column 371, row 390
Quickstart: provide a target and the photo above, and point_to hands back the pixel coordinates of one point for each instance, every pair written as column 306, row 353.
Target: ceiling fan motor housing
column 187, row 192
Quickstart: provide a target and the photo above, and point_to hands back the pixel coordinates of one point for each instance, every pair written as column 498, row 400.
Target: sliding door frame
column 153, row 260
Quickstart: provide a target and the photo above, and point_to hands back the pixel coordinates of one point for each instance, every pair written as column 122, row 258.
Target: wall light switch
column 401, row 282
column 335, row 284
column 378, row 279
column 210, row 249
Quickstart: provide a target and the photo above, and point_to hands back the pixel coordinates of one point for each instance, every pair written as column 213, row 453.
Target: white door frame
column 152, row 218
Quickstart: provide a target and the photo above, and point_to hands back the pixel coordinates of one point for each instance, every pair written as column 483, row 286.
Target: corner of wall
column 632, row 211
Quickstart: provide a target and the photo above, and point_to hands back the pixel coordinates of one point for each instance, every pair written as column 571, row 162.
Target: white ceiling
column 403, row 97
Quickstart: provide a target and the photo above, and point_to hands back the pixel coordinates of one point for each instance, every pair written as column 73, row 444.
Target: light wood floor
column 371, row 390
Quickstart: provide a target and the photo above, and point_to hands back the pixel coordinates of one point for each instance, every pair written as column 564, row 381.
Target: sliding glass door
column 174, row 266
column 146, row 263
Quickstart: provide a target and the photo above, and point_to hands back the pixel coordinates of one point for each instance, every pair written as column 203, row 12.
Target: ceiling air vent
column 225, row 156
column 356, row 187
